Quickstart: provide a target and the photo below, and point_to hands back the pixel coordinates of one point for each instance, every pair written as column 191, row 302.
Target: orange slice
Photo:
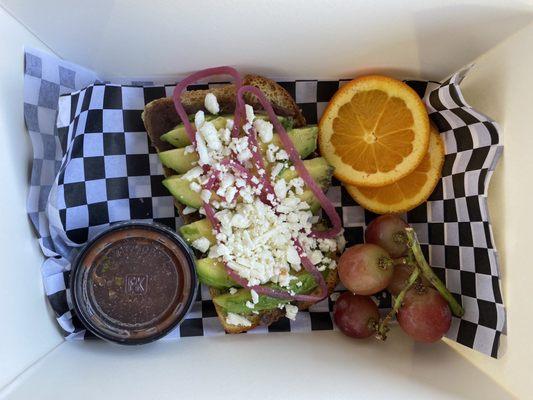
column 374, row 131
column 408, row 192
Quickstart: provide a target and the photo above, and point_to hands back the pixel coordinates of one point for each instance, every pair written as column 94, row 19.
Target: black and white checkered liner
column 101, row 169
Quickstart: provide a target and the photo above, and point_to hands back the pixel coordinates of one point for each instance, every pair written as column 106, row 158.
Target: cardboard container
column 299, row 39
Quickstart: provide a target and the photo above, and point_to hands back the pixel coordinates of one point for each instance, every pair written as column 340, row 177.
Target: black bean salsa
column 134, row 283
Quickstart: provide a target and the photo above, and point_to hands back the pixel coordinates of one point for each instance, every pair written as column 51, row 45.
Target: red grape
column 355, row 315
column 400, row 277
column 424, row 315
column 365, row 269
column 388, row 231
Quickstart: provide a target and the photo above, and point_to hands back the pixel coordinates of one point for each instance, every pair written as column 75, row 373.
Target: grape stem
column 426, row 270
column 383, row 328
column 407, row 260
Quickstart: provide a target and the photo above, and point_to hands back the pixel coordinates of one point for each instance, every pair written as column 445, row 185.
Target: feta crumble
column 264, row 129
column 291, row 311
column 238, row 320
column 250, row 116
column 202, row 244
column 211, row 103
column 189, row 210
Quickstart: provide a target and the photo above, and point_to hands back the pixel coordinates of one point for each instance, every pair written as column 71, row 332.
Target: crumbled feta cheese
column 205, row 195
column 280, row 188
column 202, row 244
column 188, row 149
column 195, row 187
column 211, row 103
column 249, row 304
column 229, row 124
column 224, row 134
column 291, row 311
column 193, row 173
column 282, row 155
column 238, row 320
column 299, row 283
column 277, row 169
column 230, row 193
column 264, row 129
column 232, row 290
column 201, row 148
column 210, row 134
column 250, row 116
column 244, row 155
column 199, row 119
column 255, row 296
column 332, row 264
column 188, row 210
column 316, row 256
column 240, row 221
column 292, row 255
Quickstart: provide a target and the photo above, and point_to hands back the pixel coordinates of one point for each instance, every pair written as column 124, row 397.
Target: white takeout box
column 296, row 39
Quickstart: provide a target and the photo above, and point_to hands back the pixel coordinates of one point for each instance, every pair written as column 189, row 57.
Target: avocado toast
column 169, row 137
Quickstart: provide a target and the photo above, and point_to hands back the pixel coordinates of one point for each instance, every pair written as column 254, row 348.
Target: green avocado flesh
column 304, row 140
column 236, row 303
column 318, row 168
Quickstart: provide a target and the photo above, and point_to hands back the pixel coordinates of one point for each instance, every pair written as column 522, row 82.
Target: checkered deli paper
column 93, row 166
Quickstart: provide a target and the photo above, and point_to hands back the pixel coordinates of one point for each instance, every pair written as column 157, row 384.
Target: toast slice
column 160, row 116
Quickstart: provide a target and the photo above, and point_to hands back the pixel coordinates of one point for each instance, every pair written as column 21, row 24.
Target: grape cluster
column 392, row 259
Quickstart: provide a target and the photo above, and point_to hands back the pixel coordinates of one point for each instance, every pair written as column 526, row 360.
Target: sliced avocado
column 196, row 230
column 179, row 188
column 304, row 140
column 178, row 137
column 236, row 303
column 213, row 273
column 317, row 167
column 178, row 160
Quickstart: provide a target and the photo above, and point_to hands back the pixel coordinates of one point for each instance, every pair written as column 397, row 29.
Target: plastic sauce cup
column 134, row 283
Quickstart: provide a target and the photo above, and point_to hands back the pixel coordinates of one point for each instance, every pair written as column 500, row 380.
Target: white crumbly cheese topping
column 291, row 311
column 188, row 210
column 255, row 296
column 232, row 290
column 193, row 173
column 236, row 319
column 250, row 116
column 256, row 240
column 202, row 244
column 211, row 103
column 264, row 129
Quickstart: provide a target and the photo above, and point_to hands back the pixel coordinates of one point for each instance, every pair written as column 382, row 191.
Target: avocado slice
column 236, row 303
column 179, row 188
column 318, row 168
column 178, row 137
column 196, row 230
column 178, row 160
column 304, row 140
column 213, row 273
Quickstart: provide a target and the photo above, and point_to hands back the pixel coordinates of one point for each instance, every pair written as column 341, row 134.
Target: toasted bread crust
column 160, row 116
